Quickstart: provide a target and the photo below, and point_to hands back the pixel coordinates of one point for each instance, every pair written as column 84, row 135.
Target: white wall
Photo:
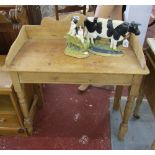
column 140, row 14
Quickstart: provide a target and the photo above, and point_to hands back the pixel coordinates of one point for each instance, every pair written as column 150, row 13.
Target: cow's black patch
column 93, row 26
column 99, row 27
column 76, row 30
column 110, row 28
column 120, row 30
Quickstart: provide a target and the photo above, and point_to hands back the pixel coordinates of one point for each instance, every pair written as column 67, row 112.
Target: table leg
column 128, row 108
column 83, row 87
column 19, row 89
column 38, row 90
column 139, row 101
column 117, row 98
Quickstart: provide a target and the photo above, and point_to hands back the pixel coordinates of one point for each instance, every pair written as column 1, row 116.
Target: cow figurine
column 115, row 30
column 73, row 27
column 75, row 30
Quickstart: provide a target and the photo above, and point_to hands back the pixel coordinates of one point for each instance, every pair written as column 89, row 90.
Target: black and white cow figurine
column 73, row 27
column 75, row 30
column 115, row 30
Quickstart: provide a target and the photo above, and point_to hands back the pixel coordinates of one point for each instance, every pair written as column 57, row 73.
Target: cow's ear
column 135, row 23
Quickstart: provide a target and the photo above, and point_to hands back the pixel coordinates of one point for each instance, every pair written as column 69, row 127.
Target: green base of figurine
column 79, row 50
column 76, row 48
column 77, row 53
column 102, row 48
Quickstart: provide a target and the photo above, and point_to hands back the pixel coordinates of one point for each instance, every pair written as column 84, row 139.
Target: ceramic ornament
column 95, row 37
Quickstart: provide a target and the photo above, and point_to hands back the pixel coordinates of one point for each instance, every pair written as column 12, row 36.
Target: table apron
column 75, row 78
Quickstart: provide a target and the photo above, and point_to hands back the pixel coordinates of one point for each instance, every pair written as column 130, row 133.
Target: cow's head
column 75, row 19
column 133, row 28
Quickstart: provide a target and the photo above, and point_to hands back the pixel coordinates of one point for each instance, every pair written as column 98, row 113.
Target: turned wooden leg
column 138, row 105
column 20, row 94
column 139, row 101
column 118, row 94
column 17, row 108
column 124, row 125
column 128, row 108
column 153, row 145
column 21, row 98
column 83, row 87
column 38, row 90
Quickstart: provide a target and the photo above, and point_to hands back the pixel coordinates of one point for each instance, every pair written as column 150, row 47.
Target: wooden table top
column 47, row 55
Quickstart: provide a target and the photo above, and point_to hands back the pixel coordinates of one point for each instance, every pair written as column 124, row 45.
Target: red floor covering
column 68, row 120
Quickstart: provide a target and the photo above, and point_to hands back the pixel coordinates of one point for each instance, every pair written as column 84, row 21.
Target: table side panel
column 75, row 78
